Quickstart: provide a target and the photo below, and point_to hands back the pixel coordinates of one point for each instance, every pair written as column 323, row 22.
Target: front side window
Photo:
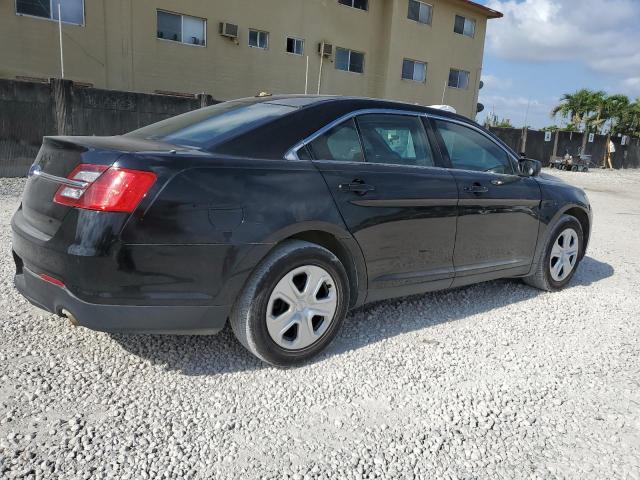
column 72, row 11
column 420, row 12
column 465, row 26
column 349, row 60
column 258, row 39
column 414, row 70
column 359, row 4
column 181, row 28
column 459, row 79
column 395, row 139
column 470, row 150
column 340, row 143
column 295, row 46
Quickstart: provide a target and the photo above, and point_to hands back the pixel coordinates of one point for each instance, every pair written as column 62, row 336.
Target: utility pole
column 526, row 115
column 321, row 62
column 60, row 35
column 306, row 78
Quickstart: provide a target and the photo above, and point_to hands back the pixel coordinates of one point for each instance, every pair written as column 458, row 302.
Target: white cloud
column 514, row 108
column 491, row 82
column 632, row 86
column 603, row 34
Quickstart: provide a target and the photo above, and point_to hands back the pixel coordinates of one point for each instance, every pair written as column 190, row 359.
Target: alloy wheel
column 564, row 255
column 301, row 307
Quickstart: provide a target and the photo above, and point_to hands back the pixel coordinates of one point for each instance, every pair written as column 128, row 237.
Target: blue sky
column 544, row 48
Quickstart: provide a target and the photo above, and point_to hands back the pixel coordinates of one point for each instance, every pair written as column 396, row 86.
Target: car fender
column 551, row 213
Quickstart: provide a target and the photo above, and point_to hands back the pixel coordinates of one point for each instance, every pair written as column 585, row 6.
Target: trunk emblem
column 35, row 169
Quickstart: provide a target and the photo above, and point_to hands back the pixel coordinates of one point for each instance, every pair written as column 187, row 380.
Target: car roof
column 301, row 101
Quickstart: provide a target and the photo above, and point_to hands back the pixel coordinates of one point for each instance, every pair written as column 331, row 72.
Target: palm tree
column 602, row 110
column 616, row 109
column 576, row 107
column 628, row 119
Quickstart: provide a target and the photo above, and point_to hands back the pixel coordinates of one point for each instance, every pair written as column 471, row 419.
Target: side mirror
column 530, row 168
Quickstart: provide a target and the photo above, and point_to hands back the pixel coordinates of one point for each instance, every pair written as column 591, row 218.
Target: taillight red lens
column 105, row 189
column 52, row 280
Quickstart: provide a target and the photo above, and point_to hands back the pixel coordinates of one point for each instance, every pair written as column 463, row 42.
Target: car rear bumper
column 171, row 319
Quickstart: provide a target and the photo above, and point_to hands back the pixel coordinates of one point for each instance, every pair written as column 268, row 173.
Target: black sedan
column 282, row 213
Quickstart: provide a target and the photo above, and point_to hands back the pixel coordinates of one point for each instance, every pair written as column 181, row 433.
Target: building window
column 459, row 79
column 420, row 12
column 181, row 28
column 349, row 61
column 72, row 11
column 413, row 70
column 465, row 26
column 258, row 39
column 295, row 46
column 360, row 4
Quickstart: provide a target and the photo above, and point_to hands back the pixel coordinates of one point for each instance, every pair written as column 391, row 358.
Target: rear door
column 395, row 198
column 498, row 217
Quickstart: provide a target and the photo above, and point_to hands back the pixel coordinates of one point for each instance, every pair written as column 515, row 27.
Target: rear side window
column 395, row 139
column 470, row 150
column 340, row 143
column 213, row 125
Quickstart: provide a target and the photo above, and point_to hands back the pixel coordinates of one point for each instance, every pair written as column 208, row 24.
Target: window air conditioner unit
column 228, row 30
column 325, row 49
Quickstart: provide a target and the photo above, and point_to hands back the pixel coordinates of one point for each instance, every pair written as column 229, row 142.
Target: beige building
column 409, row 50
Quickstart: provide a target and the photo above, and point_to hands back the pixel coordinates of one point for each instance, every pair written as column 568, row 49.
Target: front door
column 498, row 210
column 396, row 200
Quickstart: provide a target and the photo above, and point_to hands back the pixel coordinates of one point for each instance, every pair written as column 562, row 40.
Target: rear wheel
column 293, row 304
column 560, row 256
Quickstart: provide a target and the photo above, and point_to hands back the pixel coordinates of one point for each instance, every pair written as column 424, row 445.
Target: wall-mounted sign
column 547, row 136
column 592, row 137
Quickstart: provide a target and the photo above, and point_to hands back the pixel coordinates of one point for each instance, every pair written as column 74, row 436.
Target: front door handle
column 476, row 188
column 357, row 186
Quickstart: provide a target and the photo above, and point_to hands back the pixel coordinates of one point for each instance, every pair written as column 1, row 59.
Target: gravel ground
column 491, row 381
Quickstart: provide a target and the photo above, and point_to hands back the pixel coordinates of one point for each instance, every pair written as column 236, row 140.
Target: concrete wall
column 29, row 111
column 117, row 48
column 26, row 115
column 627, row 156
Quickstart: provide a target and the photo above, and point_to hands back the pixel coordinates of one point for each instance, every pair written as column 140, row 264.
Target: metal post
column 321, row 62
column 60, row 35
column 526, row 115
column 306, row 78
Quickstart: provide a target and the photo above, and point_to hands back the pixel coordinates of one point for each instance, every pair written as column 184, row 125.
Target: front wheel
column 560, row 257
column 292, row 305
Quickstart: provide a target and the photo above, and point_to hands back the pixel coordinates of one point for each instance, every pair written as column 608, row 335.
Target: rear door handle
column 476, row 188
column 356, row 186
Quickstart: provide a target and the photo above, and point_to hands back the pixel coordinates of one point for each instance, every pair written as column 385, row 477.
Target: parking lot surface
column 496, row 380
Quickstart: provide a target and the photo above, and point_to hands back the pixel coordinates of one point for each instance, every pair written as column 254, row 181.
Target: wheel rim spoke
column 281, row 323
column 306, row 335
column 286, row 291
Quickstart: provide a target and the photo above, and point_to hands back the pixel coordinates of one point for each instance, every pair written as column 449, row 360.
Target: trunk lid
column 57, row 157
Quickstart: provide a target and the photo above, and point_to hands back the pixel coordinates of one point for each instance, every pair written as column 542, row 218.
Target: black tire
column 541, row 277
column 248, row 316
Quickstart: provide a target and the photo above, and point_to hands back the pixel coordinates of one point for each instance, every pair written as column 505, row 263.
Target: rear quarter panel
column 225, row 215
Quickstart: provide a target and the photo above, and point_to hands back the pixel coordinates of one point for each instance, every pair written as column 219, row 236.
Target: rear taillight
column 108, row 189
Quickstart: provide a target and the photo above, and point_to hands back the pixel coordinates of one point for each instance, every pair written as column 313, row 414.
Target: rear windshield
column 213, row 125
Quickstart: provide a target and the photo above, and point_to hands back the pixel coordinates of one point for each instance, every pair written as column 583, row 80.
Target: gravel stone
column 496, row 380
